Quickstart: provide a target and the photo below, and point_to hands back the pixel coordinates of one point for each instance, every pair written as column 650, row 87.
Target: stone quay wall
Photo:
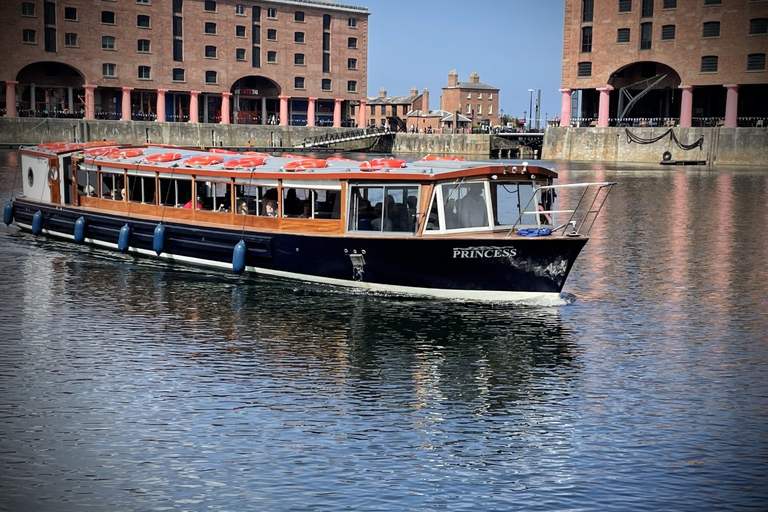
column 25, row 130
column 720, row 146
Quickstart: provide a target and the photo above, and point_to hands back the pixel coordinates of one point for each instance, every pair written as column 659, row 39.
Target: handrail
column 582, row 216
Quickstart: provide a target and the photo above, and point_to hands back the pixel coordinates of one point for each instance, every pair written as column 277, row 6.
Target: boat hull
column 498, row 268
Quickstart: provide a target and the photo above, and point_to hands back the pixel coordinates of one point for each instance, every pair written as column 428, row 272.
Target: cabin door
column 54, row 180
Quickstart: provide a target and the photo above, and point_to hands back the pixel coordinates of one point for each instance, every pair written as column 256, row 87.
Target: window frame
column 105, row 40
column 709, row 61
column 143, row 18
column 29, row 36
column 754, row 60
column 29, row 10
column 147, row 70
column 710, row 29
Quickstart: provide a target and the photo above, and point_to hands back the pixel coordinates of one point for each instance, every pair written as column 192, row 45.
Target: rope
column 631, row 137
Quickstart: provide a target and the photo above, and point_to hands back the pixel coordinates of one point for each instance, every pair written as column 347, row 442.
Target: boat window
column 311, row 204
column 509, row 200
column 87, row 183
column 433, row 220
column 465, row 205
column 252, row 199
column 390, row 208
column 215, row 196
column 141, row 189
column 174, row 192
column 112, row 186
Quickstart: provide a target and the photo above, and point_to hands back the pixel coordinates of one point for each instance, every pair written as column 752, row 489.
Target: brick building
column 692, row 62
column 298, row 62
column 477, row 101
column 393, row 110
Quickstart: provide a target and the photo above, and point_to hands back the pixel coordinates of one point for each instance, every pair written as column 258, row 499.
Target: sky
column 514, row 45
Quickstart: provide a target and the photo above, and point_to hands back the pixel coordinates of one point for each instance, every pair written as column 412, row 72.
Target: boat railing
column 577, row 221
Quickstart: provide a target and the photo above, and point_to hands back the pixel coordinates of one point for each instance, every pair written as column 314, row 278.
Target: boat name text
column 483, row 252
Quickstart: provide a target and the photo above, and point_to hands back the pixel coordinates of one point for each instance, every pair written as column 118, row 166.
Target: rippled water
column 129, row 386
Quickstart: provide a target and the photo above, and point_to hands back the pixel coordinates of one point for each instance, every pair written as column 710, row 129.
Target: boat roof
column 221, row 162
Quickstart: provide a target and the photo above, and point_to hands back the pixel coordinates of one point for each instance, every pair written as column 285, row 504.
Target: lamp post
column 525, row 116
column 530, row 108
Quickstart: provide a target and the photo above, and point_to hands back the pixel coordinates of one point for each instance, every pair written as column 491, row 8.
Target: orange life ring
column 72, row 146
column 378, row 164
column 305, row 163
column 370, row 166
column 99, row 143
column 163, row 157
column 222, row 151
column 432, row 158
column 93, row 152
column 116, row 153
column 197, row 161
column 244, row 163
column 52, row 146
column 256, row 153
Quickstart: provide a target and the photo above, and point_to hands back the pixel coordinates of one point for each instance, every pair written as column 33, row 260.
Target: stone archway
column 255, row 100
column 50, row 89
column 645, row 91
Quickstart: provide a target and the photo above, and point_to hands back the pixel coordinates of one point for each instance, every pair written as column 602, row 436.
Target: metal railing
column 577, row 221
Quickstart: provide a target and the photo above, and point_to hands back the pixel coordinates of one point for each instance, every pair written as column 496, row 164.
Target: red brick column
column 605, row 104
column 686, row 106
column 225, row 99
column 337, row 113
column 125, row 115
column 283, row 110
column 311, row 112
column 565, row 109
column 10, row 98
column 731, row 105
column 160, row 105
column 194, row 107
column 361, row 119
column 90, row 108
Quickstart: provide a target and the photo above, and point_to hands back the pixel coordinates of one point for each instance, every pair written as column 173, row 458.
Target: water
column 130, row 386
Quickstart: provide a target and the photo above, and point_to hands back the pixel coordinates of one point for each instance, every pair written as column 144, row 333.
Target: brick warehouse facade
column 287, row 62
column 686, row 62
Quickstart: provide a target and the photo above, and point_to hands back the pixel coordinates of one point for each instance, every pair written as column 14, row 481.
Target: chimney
column 414, row 92
column 425, row 101
column 474, row 78
column 382, row 93
column 453, row 79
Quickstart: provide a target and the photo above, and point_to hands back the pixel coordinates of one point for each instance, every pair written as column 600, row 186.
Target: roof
column 324, row 4
column 392, row 100
column 472, row 85
column 444, row 115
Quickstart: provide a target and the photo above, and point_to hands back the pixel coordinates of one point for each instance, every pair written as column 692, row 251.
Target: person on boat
column 188, row 205
column 270, row 209
column 380, row 222
column 243, row 208
column 451, row 215
column 472, row 210
column 544, row 218
column 307, row 211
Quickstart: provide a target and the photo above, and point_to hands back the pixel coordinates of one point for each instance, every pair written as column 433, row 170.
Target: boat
column 436, row 227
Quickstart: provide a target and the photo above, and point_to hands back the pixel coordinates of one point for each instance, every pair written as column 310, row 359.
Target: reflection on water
column 128, row 385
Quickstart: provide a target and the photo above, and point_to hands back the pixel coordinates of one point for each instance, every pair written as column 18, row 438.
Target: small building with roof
column 392, row 111
column 476, row 101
